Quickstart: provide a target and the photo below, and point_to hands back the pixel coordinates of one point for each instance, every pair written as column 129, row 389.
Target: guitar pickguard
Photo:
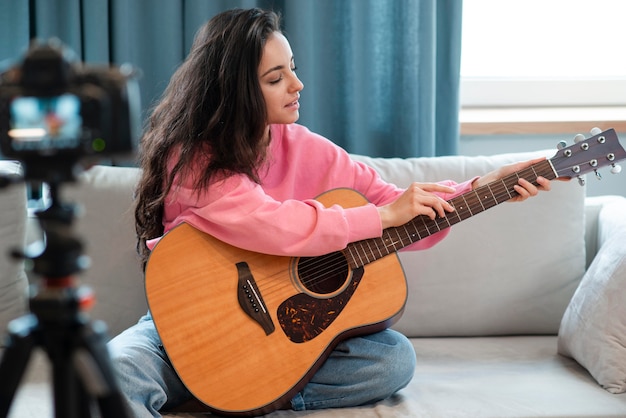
column 303, row 317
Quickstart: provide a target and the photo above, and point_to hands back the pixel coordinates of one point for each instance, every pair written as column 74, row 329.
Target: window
column 543, row 53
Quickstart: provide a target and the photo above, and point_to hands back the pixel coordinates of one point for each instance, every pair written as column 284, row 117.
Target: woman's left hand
column 524, row 188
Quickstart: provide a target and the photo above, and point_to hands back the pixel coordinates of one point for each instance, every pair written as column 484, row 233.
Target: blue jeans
column 359, row 371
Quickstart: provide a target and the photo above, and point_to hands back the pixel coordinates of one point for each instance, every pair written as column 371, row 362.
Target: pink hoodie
column 281, row 216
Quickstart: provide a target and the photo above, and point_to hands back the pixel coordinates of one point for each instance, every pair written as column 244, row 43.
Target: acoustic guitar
column 246, row 331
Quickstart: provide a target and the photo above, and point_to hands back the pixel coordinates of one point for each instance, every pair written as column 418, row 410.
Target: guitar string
column 501, row 190
column 325, row 265
column 328, row 266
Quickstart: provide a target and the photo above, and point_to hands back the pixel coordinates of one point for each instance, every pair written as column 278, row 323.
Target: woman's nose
column 296, row 84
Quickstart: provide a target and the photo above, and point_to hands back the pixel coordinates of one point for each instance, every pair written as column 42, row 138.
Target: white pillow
column 13, row 281
column 593, row 328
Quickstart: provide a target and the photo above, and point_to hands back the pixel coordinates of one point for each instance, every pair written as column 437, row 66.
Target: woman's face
column 279, row 84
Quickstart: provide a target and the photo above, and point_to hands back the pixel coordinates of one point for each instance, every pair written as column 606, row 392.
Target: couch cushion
column 503, row 377
column 531, row 256
column 13, row 282
column 593, row 329
column 107, row 230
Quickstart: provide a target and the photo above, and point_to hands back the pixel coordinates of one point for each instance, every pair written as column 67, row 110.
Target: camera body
column 54, row 112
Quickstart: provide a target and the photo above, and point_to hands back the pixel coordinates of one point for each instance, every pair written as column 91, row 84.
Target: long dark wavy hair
column 212, row 107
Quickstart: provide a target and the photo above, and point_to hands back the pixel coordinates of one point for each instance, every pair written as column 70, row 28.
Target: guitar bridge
column 250, row 298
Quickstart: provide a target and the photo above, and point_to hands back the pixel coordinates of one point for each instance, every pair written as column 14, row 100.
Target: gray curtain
column 381, row 76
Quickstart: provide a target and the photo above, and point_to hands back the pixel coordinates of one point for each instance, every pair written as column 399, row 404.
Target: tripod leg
column 64, row 382
column 92, row 363
column 71, row 400
column 19, row 346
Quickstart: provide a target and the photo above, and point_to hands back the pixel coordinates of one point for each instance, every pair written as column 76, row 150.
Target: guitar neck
column 472, row 203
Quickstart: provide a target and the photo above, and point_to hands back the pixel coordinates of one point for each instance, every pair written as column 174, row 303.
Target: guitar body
column 246, row 331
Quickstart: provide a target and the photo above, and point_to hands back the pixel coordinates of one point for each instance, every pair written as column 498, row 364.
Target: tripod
column 83, row 381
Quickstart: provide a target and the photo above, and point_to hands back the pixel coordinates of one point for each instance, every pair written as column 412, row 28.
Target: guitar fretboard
column 363, row 252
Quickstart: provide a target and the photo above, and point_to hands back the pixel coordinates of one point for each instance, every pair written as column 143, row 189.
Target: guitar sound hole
column 325, row 274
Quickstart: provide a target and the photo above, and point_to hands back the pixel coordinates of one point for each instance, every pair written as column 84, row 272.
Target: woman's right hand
column 417, row 199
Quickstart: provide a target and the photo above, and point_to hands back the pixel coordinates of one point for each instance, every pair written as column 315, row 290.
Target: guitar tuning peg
column 561, row 145
column 598, row 175
column 581, row 180
column 616, row 168
column 595, row 131
column 578, row 138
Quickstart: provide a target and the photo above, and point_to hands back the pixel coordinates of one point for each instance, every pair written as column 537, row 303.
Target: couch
column 519, row 312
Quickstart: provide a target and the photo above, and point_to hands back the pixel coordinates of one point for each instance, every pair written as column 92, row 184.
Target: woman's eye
column 277, row 80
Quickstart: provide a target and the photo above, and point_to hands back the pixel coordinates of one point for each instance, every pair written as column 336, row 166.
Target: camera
column 54, row 111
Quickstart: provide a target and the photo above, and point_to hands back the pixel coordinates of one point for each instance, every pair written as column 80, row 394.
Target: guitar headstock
column 588, row 155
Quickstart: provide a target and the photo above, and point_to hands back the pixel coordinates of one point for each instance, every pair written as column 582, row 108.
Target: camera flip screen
column 40, row 123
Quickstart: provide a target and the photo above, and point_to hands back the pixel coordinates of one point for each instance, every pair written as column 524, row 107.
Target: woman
column 223, row 153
